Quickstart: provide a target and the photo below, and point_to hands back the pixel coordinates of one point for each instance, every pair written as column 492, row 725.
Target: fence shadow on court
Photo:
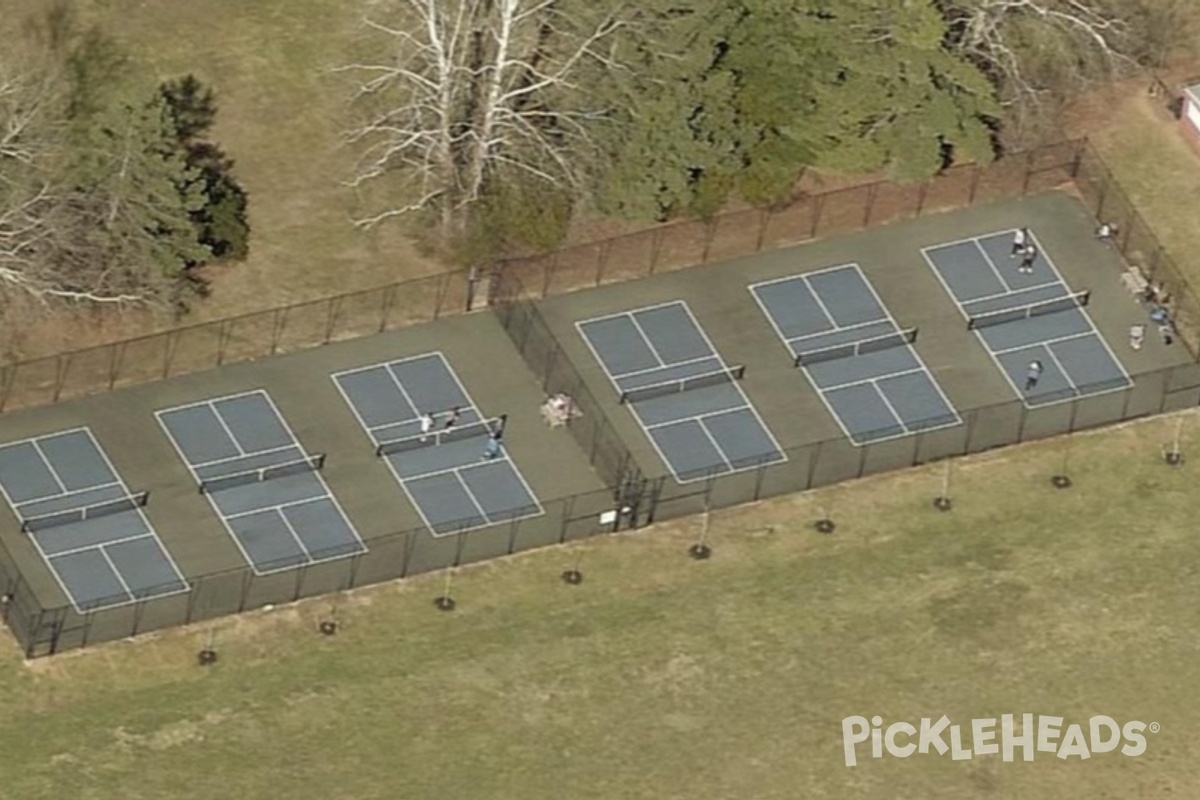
column 634, row 496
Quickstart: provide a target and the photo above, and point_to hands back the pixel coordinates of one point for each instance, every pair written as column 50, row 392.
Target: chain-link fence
column 689, row 243
column 636, row 501
column 1109, row 204
column 636, row 497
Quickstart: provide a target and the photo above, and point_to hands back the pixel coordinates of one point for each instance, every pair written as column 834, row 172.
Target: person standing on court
column 1028, row 256
column 1137, row 336
column 453, row 416
column 1032, row 374
column 491, row 450
column 1020, row 239
column 426, row 425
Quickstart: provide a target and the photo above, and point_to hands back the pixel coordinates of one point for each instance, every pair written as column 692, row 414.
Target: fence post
column 1028, row 172
column 869, row 206
column 710, row 232
column 976, row 174
column 764, row 219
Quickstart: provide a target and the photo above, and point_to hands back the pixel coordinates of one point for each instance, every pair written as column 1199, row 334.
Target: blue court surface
column 87, row 526
column 681, row 392
column 452, row 479
column 862, row 364
column 1025, row 317
column 261, row 483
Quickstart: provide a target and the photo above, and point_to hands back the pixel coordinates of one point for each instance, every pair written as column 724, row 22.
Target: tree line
column 111, row 191
column 505, row 117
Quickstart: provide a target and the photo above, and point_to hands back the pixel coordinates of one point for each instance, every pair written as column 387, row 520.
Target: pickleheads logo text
column 1027, row 734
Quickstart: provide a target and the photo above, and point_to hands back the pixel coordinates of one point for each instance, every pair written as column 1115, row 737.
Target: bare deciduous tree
column 472, row 89
column 38, row 222
column 1039, row 50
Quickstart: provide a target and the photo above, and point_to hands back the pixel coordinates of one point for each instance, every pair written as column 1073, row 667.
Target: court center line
column 1045, row 342
column 139, row 510
column 661, row 367
column 917, row 369
column 62, row 495
column 891, row 409
column 838, row 329
column 216, row 412
column 62, row 487
column 696, row 417
column 816, row 296
column 97, row 545
column 716, row 445
column 448, row 470
column 645, row 338
column 276, row 507
column 117, row 572
column 1023, row 290
column 287, row 523
column 470, row 495
column 293, row 446
column 1050, row 352
column 996, row 270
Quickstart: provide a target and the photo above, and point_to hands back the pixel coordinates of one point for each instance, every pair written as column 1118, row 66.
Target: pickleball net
column 1029, row 311
column 252, row 476
column 457, row 433
column 679, row 385
column 873, row 345
column 102, row 509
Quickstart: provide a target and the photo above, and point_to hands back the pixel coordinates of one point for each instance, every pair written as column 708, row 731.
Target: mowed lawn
column 1160, row 172
column 662, row 678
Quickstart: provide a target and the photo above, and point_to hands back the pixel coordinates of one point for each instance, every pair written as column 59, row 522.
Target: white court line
column 117, row 572
column 362, row 424
column 848, row 384
column 833, row 324
column 821, row 391
column 140, row 511
column 1074, row 386
column 616, row 314
column 911, row 349
column 1022, row 290
column 468, row 405
column 820, row 394
column 470, row 495
column 741, row 392
column 978, row 337
column 642, row 332
column 207, row 497
column 58, row 578
column 287, row 523
column 221, row 421
column 512, row 464
column 855, row 326
column 580, row 327
column 148, row 532
column 1103, row 341
column 62, row 487
column 63, row 495
column 244, row 456
column 304, row 501
column 97, row 545
column 1046, row 342
column 317, row 474
column 661, row 367
column 1059, row 280
column 996, row 270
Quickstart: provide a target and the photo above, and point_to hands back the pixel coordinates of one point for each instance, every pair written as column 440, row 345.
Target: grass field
column 660, row 677
column 1149, row 157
